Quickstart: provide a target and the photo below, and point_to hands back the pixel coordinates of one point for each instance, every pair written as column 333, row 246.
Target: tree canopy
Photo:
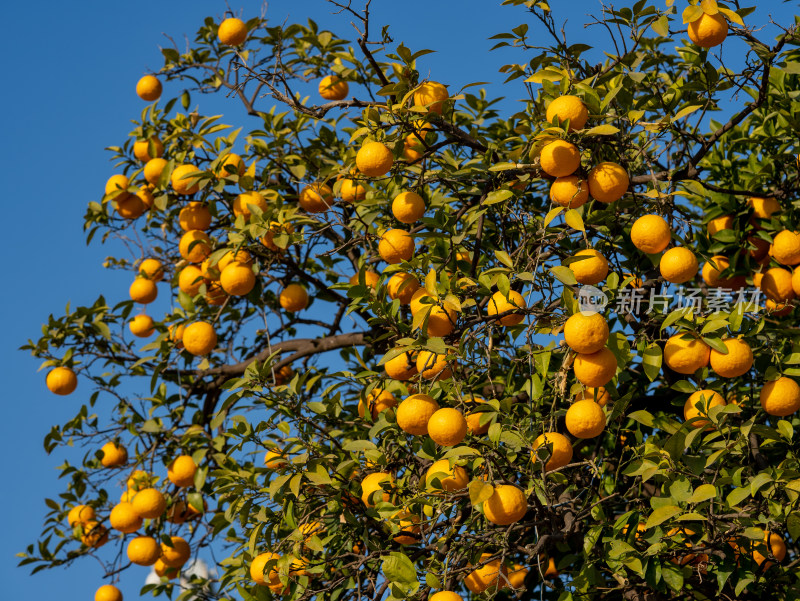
column 389, row 341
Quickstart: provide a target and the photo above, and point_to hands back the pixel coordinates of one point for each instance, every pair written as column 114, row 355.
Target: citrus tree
column 387, row 342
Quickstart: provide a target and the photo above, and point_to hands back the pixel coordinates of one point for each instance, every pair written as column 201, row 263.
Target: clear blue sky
column 70, row 73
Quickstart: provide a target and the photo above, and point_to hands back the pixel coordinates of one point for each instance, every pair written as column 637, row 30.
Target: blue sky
column 70, row 75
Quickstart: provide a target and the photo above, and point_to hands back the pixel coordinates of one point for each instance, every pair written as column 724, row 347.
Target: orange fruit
column 143, row 291
column 595, row 369
column 444, row 596
column 599, row 395
column 777, row 284
column 61, row 381
column 708, row 30
column 402, row 367
column 485, row 577
column 396, row 246
column 237, row 279
column 176, row 555
column 516, row 576
column 507, row 505
column 408, row 207
column 780, row 397
column 474, row 420
column 686, row 354
column 608, row 182
column 123, row 518
column 190, row 279
column 570, row 191
column 585, row 419
column 431, row 365
column 257, row 566
column 378, row 400
column 153, row 170
column 182, row 180
column 141, row 149
column 773, row 545
column 199, row 338
column 441, row 320
column 758, row 247
column 416, row 305
column 276, row 228
column 736, row 363
column 449, row 479
column 149, row 503
column 409, row 526
column 293, row 298
column 570, row 108
column 402, row 286
column 116, row 183
column 447, row 427
column 181, row 471
column 162, row 570
column 561, row 453
column 114, row 455
column 94, row 535
column 374, row 159
column 795, row 281
column 590, row 270
column 371, row 279
column 678, row 265
column 274, row 460
column 432, row 95
column 786, row 247
column 414, row 413
column 372, row 483
column 232, row 32
column 141, row 326
column 712, row 270
column 560, row 158
column 129, row 206
column 138, row 480
column 195, row 246
column 706, row 399
column 152, row 269
column 586, row 333
column 763, row 208
column 231, row 164
column 413, row 148
column 651, row 234
column 718, row 224
column 80, row 514
column 499, row 304
column 148, row 88
column 194, row 216
column 244, row 201
column 333, row 87
column 352, row 191
column 108, row 592
column 143, row 550
column 315, row 198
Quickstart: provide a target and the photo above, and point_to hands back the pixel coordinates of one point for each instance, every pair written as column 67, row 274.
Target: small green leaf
column 662, row 514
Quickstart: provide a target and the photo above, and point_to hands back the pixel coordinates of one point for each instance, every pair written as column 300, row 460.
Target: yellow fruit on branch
column 500, row 304
column 396, row 246
column 195, row 246
column 237, row 279
column 141, row 326
column 507, row 505
column 123, row 518
column 232, row 32
column 143, row 550
column 414, row 413
column 706, row 399
column 442, row 476
column 333, row 87
column 586, row 333
column 685, row 354
column 153, row 170
column 372, row 483
column 315, row 198
column 378, row 400
column 293, row 298
column 402, row 286
column 94, row 535
column 181, row 471
column 199, row 338
column 374, row 159
column 678, row 265
column 718, row 224
column 608, row 182
column 585, row 419
column 736, row 362
column 401, row 367
column 568, row 108
column 589, row 266
column 486, row 576
column 258, row 567
column 177, row 554
column 149, row 503
column 108, row 592
column 780, row 397
column 708, row 30
column 61, row 380
column 447, row 427
column 777, row 285
column 651, row 234
column 114, row 455
column 712, row 274
column 560, row 158
column 431, row 95
column 408, row 207
column 149, row 88
column 595, row 369
column 570, row 191
column 184, row 179
column 244, row 203
column 80, row 514
column 431, row 366
column 151, row 148
column 561, row 453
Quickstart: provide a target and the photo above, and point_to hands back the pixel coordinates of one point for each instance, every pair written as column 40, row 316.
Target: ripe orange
column 444, row 596
column 80, row 514
column 195, row 246
column 507, row 505
column 786, row 247
column 686, row 354
column 570, row 191
column 773, row 544
column 431, row 365
column 162, row 570
column 182, row 179
column 431, row 95
column 141, row 149
column 560, row 158
column 447, row 427
column 149, row 88
column 152, row 269
column 595, row 369
column 143, row 550
column 371, row 279
column 143, row 291
column 333, row 87
column 274, row 460
column 416, row 305
column 243, row 202
column 441, row 320
column 500, row 304
column 181, row 471
column 414, row 413
column 352, row 191
column 718, row 224
column 373, row 483
column 194, row 216
column 108, row 592
column 293, row 298
column 116, row 183
column 474, row 420
column 315, row 198
column 780, row 397
column 449, row 479
column 408, row 207
column 396, row 246
column 736, row 363
column 777, row 284
column 570, row 108
column 114, row 455
column 123, row 518
column 402, row 286
column 795, row 281
column 374, row 159
column 129, row 206
column 149, row 503
column 484, row 577
column 651, row 234
column 763, row 208
column 276, row 229
column 199, row 338
column 712, row 270
column 409, row 526
column 94, row 534
column 257, row 566
column 153, row 170
column 586, row 333
column 608, row 182
column 516, row 576
column 138, row 480
column 590, row 270
column 378, row 400
column 413, row 148
column 706, row 399
column 237, row 279
column 141, row 326
column 190, row 279
column 61, row 380
column 561, row 454
column 599, row 395
column 585, row 419
column 678, row 265
column 176, row 555
column 402, row 367
column 708, row 31
column 231, row 164
column 232, row 32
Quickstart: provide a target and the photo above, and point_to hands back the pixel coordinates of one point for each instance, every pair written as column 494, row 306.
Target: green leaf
column 643, row 417
column 651, row 360
column 662, row 514
column 737, row 495
column 479, row 491
column 704, row 492
column 602, row 130
column 758, row 481
column 497, row 196
column 574, row 220
column 661, row 26
column 397, row 568
column 503, row 257
column 552, row 214
column 564, row 275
